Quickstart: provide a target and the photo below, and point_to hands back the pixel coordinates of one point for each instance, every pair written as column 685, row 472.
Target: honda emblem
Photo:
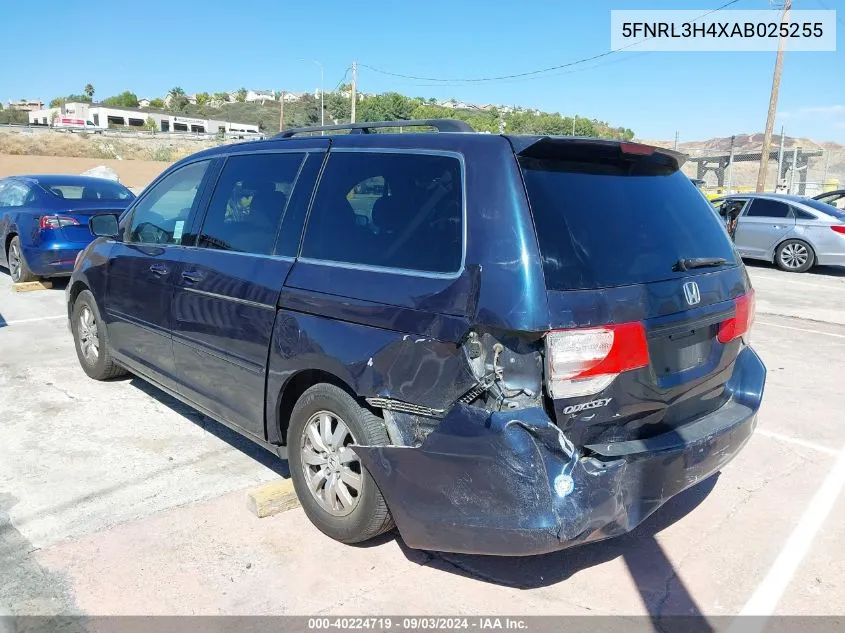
column 692, row 293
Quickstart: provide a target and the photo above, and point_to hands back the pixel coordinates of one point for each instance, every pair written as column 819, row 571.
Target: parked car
column 794, row 232
column 834, row 198
column 44, row 220
column 522, row 343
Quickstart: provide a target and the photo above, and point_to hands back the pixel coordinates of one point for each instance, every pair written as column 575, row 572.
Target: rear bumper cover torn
column 509, row 483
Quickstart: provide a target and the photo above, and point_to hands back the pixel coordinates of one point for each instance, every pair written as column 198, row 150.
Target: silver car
column 794, row 232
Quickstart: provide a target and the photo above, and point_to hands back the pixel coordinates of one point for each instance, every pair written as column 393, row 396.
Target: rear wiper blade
column 686, row 263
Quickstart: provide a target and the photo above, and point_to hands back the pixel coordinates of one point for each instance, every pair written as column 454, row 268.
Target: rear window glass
column 618, row 222
column 825, row 208
column 94, row 191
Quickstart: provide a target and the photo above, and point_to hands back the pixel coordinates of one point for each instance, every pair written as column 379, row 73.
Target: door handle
column 777, row 226
column 192, row 276
column 159, row 269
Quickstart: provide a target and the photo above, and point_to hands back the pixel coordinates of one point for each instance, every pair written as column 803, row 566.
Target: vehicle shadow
column 221, row 431
column 826, row 271
column 661, row 588
column 57, row 283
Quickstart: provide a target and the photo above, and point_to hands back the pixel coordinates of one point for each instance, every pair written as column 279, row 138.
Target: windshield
column 614, row 223
column 105, row 190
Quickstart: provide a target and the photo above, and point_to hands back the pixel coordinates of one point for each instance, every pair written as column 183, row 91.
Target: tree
column 157, row 103
column 241, row 95
column 53, row 117
column 223, row 97
column 178, row 100
column 203, row 98
column 150, row 124
column 60, row 101
column 89, row 91
column 125, row 99
column 338, row 106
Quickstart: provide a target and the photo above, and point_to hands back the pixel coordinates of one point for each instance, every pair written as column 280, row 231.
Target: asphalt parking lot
column 116, row 499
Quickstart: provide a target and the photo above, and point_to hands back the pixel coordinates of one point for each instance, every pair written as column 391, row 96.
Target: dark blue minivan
column 500, row 344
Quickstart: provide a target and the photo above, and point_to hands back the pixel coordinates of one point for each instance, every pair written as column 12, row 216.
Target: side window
column 15, row 194
column 802, row 215
column 411, row 202
column 162, row 215
column 249, row 201
column 763, row 208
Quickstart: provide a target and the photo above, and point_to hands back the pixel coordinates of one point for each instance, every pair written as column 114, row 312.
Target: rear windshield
column 105, row 190
column 825, row 208
column 618, row 221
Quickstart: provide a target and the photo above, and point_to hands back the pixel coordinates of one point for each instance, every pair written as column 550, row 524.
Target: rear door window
column 390, row 210
column 604, row 222
column 763, row 208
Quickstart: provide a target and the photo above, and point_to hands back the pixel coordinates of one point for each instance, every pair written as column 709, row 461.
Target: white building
column 103, row 117
column 260, row 95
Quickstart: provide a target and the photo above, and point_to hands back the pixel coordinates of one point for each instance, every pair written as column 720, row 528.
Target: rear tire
column 18, row 268
column 795, row 256
column 337, row 493
column 91, row 339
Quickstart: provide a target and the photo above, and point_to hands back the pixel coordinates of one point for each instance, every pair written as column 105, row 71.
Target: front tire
column 337, row 493
column 18, row 268
column 91, row 339
column 794, row 256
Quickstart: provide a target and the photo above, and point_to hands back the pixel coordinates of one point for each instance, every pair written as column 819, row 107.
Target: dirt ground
column 133, row 173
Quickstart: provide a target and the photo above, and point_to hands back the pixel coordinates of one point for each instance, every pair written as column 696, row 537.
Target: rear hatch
column 647, row 297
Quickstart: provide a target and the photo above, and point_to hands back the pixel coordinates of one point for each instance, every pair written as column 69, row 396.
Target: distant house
column 260, row 95
column 293, row 96
column 26, row 105
column 144, row 103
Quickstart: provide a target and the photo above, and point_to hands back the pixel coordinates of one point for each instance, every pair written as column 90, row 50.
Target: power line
column 532, row 72
column 342, row 79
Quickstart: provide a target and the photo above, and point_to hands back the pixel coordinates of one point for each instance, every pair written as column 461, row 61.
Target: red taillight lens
column 740, row 324
column 838, row 228
column 57, row 221
column 585, row 361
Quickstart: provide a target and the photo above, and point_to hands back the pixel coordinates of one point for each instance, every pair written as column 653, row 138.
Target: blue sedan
column 44, row 221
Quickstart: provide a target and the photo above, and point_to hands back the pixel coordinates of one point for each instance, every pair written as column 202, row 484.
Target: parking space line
column 765, row 599
column 35, row 319
column 799, row 329
column 798, row 442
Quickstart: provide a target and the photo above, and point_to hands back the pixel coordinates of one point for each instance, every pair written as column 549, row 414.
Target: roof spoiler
column 549, row 146
column 441, row 125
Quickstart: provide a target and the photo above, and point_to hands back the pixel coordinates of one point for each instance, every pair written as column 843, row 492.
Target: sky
column 151, row 46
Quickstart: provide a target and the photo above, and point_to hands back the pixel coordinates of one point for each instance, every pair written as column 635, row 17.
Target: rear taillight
column 838, row 228
column 585, row 361
column 57, row 221
column 740, row 323
column 636, row 148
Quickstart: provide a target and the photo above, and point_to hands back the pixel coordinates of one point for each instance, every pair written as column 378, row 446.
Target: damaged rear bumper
column 509, row 483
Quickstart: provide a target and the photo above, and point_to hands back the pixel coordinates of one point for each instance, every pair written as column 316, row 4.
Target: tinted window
column 396, row 210
column 161, row 216
column 104, row 190
column 827, row 208
column 802, row 215
column 762, row 208
column 248, row 203
column 617, row 221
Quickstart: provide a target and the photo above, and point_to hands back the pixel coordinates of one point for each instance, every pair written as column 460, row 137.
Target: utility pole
column 677, row 138
column 780, row 160
column 730, row 165
column 573, row 125
column 282, row 112
column 773, row 104
column 354, row 88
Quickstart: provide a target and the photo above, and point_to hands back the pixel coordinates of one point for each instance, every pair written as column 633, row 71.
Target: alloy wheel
column 794, row 256
column 14, row 262
column 89, row 342
column 332, row 469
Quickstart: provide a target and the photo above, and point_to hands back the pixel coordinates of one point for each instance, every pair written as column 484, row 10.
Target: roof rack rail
column 441, row 125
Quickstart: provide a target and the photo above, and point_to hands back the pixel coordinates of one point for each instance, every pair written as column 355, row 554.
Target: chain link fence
column 805, row 171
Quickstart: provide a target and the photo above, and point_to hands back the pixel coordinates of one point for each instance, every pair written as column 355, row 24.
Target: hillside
column 394, row 106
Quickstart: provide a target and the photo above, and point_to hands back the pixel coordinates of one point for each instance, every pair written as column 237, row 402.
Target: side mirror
column 105, row 225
